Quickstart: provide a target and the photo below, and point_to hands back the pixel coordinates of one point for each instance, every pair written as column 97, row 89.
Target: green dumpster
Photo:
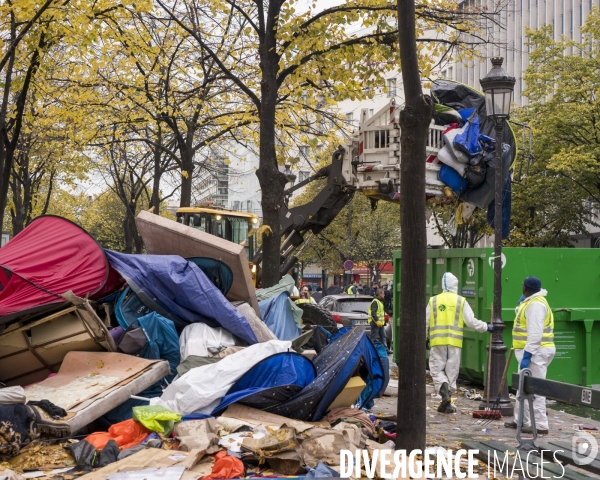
column 572, row 278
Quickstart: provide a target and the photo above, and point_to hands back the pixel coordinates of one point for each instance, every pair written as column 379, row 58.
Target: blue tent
column 169, row 283
column 278, row 316
column 270, row 382
column 349, row 354
column 163, row 341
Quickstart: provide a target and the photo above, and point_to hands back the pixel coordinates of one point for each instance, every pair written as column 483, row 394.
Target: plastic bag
column 225, row 466
column 126, row 434
column 156, row 418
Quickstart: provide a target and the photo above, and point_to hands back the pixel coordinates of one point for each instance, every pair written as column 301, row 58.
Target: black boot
column 445, row 398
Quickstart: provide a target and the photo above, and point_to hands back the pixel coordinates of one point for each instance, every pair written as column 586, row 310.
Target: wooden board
column 162, row 236
column 488, row 447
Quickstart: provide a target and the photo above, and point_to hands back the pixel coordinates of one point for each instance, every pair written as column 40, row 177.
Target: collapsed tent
column 202, row 388
column 50, row 257
column 348, row 355
column 282, row 316
column 273, row 381
column 169, row 283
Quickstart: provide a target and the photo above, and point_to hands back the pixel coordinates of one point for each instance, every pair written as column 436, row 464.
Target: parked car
column 352, row 311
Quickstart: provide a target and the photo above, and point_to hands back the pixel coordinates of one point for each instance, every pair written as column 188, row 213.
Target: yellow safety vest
column 380, row 311
column 350, row 292
column 519, row 332
column 446, row 321
column 303, row 300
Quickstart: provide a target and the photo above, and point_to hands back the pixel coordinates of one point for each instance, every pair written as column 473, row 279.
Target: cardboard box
column 349, row 394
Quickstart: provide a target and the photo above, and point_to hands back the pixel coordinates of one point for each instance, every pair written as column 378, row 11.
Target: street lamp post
column 498, row 87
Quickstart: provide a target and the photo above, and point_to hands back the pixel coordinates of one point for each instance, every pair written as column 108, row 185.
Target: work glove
column 381, row 324
column 523, row 297
column 526, row 360
column 490, row 328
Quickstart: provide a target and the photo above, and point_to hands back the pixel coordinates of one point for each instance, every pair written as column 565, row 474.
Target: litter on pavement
column 170, row 365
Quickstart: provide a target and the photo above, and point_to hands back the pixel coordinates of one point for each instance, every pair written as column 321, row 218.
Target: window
column 303, row 150
column 249, row 205
column 236, row 205
column 371, row 111
column 391, row 85
column 303, row 176
column 349, row 117
column 580, row 14
column 571, row 20
column 451, row 72
column 562, row 24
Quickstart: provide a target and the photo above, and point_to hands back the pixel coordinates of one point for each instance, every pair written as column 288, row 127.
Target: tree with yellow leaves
column 305, row 59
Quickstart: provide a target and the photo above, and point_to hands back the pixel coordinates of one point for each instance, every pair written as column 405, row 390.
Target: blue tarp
column 182, row 289
column 163, row 341
column 468, row 139
column 217, row 272
column 349, row 354
column 278, row 316
column 367, row 393
column 274, row 380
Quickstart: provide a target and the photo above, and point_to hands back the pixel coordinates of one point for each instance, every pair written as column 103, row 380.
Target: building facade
column 509, row 39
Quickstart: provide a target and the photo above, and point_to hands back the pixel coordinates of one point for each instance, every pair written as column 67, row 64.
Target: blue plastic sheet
column 272, row 381
column 366, row 397
column 278, row 316
column 468, row 139
column 321, row 471
column 163, row 341
column 182, row 289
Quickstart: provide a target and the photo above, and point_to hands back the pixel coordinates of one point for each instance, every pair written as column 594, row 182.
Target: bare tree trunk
column 272, row 181
column 414, row 123
column 187, row 165
column 155, row 199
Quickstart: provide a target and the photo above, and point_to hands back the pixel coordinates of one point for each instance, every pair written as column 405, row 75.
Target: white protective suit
column 444, row 362
column 535, row 315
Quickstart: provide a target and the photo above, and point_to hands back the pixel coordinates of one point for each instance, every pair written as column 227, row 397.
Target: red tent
column 48, row 258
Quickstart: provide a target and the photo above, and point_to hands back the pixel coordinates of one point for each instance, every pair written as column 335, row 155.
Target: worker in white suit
column 446, row 315
column 533, row 341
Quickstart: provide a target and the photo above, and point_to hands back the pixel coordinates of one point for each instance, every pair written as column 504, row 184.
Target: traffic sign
column 348, row 265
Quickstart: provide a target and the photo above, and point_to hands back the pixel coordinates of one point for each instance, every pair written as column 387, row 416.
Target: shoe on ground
column 540, row 431
column 512, row 424
column 446, row 400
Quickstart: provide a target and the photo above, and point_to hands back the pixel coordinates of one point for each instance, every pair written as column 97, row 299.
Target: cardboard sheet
column 162, row 236
column 86, row 374
column 252, row 416
column 195, row 466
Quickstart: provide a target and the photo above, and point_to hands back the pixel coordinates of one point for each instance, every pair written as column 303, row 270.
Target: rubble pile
column 117, row 366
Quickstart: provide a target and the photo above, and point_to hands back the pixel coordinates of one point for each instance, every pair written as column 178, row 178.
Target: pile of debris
column 115, row 365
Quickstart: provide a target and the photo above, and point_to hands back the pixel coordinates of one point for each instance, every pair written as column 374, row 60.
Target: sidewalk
column 449, row 430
